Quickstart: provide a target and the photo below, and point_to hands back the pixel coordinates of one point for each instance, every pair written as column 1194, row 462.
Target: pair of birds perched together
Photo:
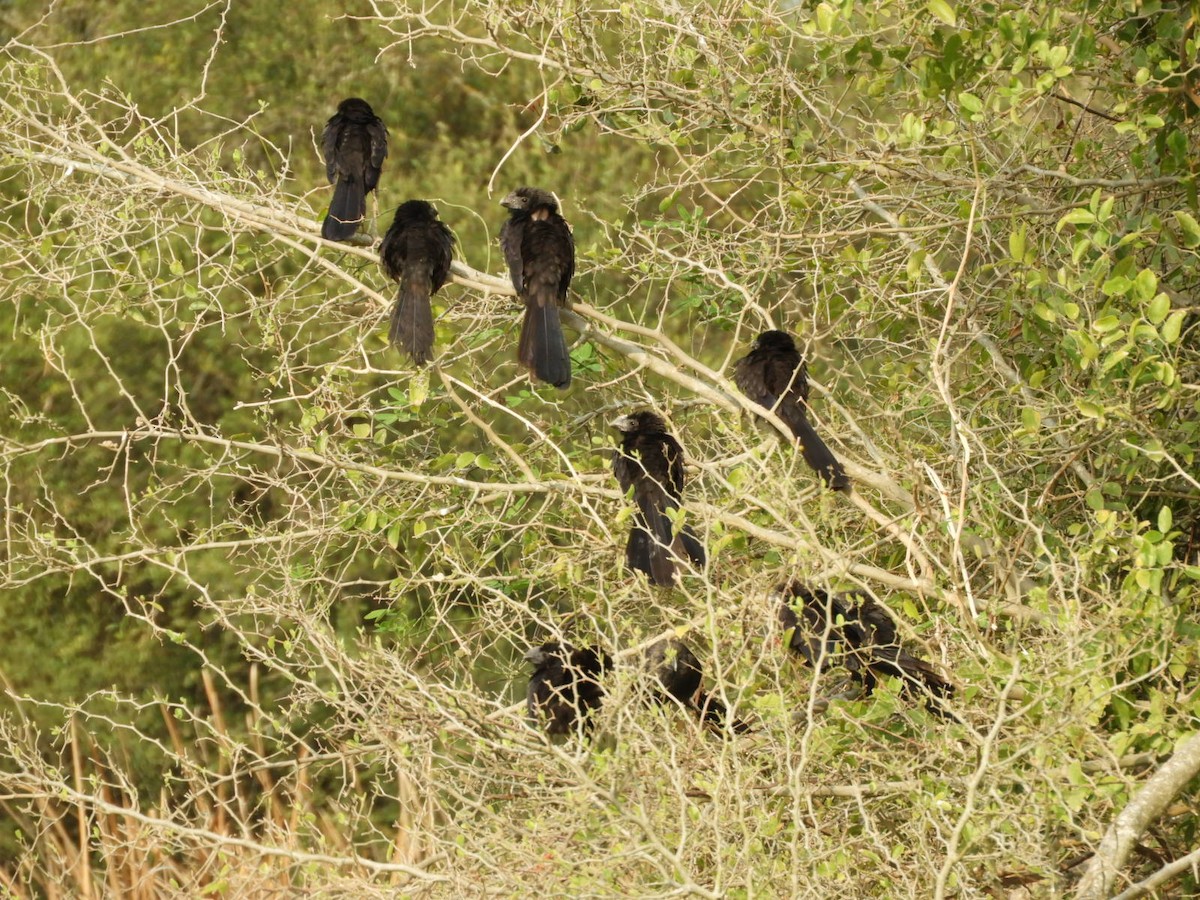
column 418, row 247
column 650, row 463
column 826, row 630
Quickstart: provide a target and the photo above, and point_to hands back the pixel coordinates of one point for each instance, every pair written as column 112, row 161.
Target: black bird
column 773, row 374
column 565, row 688
column 355, row 144
column 540, row 253
column 650, row 462
column 677, row 673
column 416, row 252
column 856, row 632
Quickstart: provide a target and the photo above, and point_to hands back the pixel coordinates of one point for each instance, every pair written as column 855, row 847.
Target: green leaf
column 970, row 102
column 1076, row 217
column 464, row 460
column 1158, row 308
column 1106, row 323
column 1144, row 285
column 1016, row 244
column 1190, row 228
column 1171, row 328
column 944, row 11
column 362, row 430
column 1114, row 359
column 1165, row 519
column 1118, row 284
column 418, row 388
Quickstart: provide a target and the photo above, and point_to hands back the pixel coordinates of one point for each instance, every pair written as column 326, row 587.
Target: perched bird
column 416, row 252
column 565, row 688
column 540, row 253
column 677, row 674
column 650, row 462
column 854, row 631
column 773, row 374
column 355, row 144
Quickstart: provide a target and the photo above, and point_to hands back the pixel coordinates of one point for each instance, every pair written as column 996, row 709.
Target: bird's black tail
column 715, row 714
column 919, row 677
column 346, row 211
column 412, row 317
column 660, row 550
column 691, row 546
column 818, row 456
column 543, row 346
column 656, row 552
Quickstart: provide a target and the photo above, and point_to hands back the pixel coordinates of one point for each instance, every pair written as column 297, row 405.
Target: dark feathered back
column 854, row 631
column 774, row 376
column 676, row 675
column 355, row 145
column 540, row 251
column 564, row 688
column 416, row 252
column 650, row 464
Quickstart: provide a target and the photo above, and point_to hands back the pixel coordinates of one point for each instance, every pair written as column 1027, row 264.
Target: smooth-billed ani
column 852, row 630
column 416, row 252
column 773, row 374
column 565, row 688
column 650, row 462
column 677, row 673
column 540, row 253
column 355, row 144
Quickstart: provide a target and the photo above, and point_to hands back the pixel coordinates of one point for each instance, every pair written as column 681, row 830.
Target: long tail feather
column 543, row 346
column 412, row 318
column 346, row 211
column 818, row 456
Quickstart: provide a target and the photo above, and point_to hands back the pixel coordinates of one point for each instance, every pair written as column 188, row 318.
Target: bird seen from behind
column 540, row 252
column 677, row 674
column 355, row 144
column 773, row 374
column 416, row 252
column 855, row 632
column 650, row 463
column 564, row 689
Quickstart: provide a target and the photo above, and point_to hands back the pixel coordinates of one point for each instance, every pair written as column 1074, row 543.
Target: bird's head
column 540, row 655
column 643, row 420
column 529, row 200
column 416, row 211
column 356, row 108
column 774, row 340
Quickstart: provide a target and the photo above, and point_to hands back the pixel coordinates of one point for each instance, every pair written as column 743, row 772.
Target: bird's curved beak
column 512, row 201
column 623, row 423
column 535, row 656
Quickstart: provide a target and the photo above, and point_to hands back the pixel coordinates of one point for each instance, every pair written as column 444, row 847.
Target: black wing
column 778, row 380
column 512, row 233
column 378, row 137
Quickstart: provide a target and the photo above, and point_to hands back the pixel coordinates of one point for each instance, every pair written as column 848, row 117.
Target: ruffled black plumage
column 416, row 252
column 773, row 374
column 355, row 144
